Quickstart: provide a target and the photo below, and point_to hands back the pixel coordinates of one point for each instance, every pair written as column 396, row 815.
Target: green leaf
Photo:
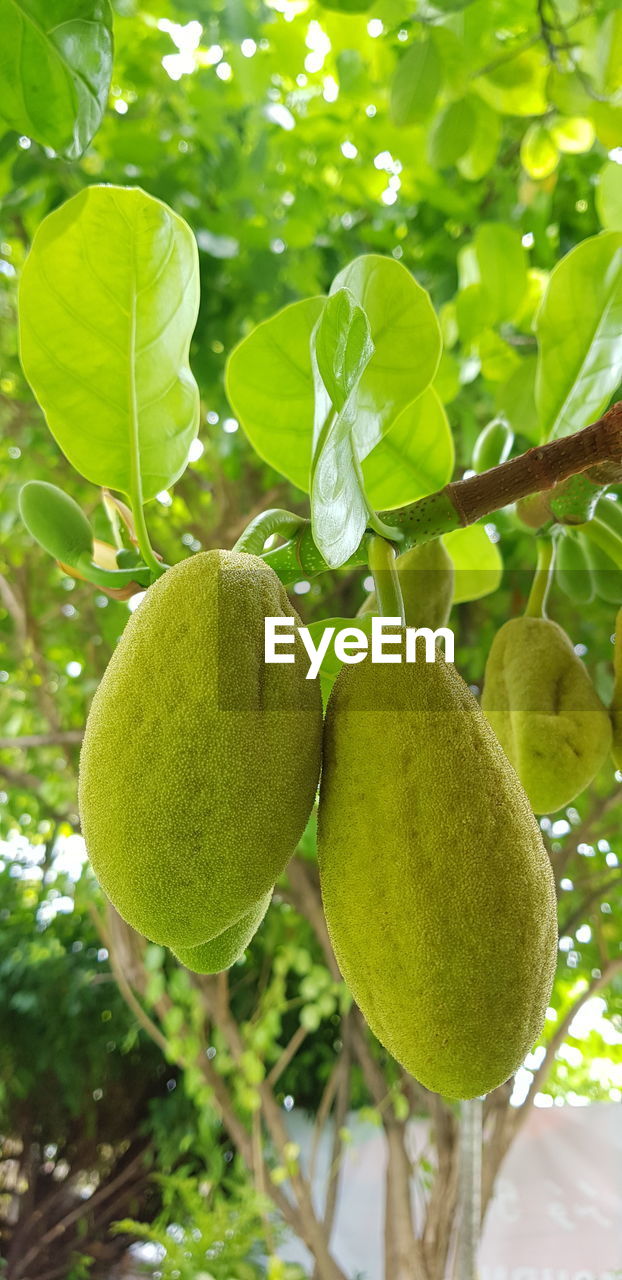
column 341, row 349
column 416, row 83
column 406, row 337
column 478, row 566
column 517, row 87
column 347, row 6
column 342, row 344
column 609, row 196
column 108, row 302
column 502, row 265
column 539, row 152
column 269, row 383
column 416, row 456
column 515, row 399
column 55, row 69
column 451, row 134
column 579, row 329
column 478, row 160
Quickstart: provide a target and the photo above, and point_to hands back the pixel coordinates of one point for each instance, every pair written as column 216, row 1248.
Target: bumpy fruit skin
column 426, row 576
column 200, row 762
column 438, row 892
column 223, row 951
column 545, row 711
column 616, row 705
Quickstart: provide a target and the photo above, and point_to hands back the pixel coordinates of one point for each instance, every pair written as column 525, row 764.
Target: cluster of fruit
column 200, row 768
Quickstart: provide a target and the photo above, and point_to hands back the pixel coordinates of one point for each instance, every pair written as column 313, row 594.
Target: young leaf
column 269, row 383
column 342, row 344
column 107, row 305
column 579, row 328
column 55, row 69
column 406, row 337
column 414, row 458
column 341, row 348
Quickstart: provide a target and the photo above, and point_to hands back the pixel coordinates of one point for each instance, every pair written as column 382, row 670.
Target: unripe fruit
column 545, row 711
column 438, row 892
column 55, row 521
column 200, row 762
column 493, row 445
column 227, row 947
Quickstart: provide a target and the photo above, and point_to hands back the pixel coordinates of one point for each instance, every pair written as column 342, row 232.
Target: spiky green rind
column 223, row 951
column 545, row 711
column 200, row 762
column 438, row 892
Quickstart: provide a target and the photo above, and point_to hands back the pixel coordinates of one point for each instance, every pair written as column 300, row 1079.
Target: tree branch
column 463, row 502
column 62, row 737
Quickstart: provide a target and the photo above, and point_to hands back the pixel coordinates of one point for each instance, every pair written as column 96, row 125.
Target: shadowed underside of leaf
column 55, row 69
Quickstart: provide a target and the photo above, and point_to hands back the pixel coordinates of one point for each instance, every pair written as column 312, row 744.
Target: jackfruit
column 227, row 947
column 545, row 711
column 616, row 705
column 426, row 576
column 200, row 762
column 438, row 892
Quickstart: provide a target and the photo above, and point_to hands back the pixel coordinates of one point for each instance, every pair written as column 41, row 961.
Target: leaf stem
column 381, row 558
column 542, row 578
column 144, row 544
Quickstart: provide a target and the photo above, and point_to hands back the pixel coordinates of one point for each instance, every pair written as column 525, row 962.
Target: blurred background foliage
column 292, row 137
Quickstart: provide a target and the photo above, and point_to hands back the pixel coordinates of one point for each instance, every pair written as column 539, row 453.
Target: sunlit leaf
column 481, row 154
column 517, row 86
column 406, row 337
column 270, row 388
column 414, row 458
column 579, row 328
column 108, row 302
column 341, row 349
column 502, row 264
column 55, row 69
column 539, row 152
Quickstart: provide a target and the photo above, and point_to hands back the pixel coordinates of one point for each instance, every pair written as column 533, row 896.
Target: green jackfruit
column 545, row 711
column 616, row 705
column 200, row 762
column 426, row 576
column 223, row 951
column 438, row 892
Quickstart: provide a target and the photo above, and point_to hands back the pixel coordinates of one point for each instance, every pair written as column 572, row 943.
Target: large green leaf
column 517, row 87
column 341, row 348
column 55, row 69
column 416, row 456
column 406, row 337
column 579, row 328
column 416, row 83
column 269, row 384
column 107, row 305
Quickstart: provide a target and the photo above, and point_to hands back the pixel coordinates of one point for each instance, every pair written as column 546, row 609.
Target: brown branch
column 539, row 468
column 289, row 1052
